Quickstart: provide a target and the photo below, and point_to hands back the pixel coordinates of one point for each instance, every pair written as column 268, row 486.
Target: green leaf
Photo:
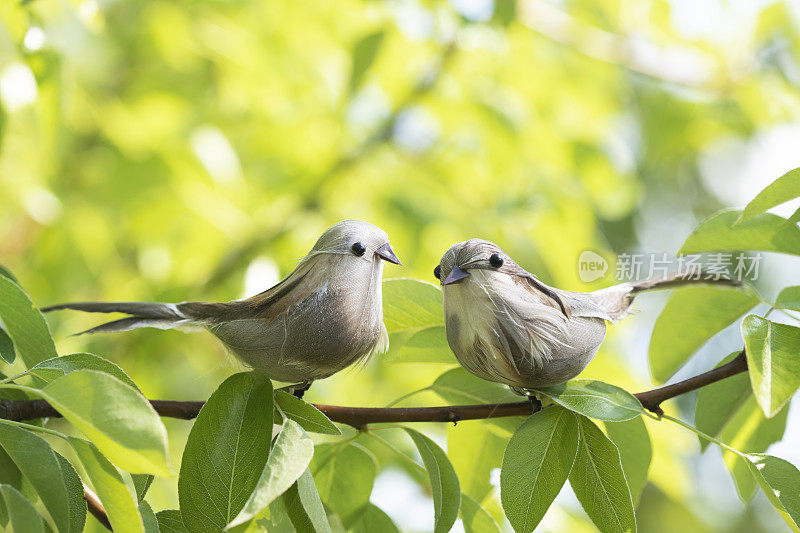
column 6, row 346
column 636, row 451
column 226, row 452
column 411, row 304
column 780, row 481
column 783, row 189
column 414, row 318
column 141, row 482
column 364, row 53
column 444, row 481
column 371, row 518
column 344, row 477
column 287, row 461
column 428, row 345
column 77, row 505
column 9, row 473
column 765, row 232
column 475, row 449
column 113, row 415
column 599, row 483
column 691, row 317
column 789, row 298
column 149, row 518
column 24, row 324
column 170, row 521
column 773, row 361
column 50, row 477
column 751, row 432
column 63, row 365
column 475, row 518
column 459, row 386
column 595, row 399
column 718, row 402
column 536, row 464
column 120, row 504
column 22, row 515
column 304, row 507
column 309, row 417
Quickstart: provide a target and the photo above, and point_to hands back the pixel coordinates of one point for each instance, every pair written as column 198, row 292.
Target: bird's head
column 358, row 239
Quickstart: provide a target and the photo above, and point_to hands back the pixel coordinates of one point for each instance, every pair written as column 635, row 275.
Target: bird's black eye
column 437, row 272
column 495, row 260
column 359, row 248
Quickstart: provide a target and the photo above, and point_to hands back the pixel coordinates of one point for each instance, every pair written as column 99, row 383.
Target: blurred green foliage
column 156, row 150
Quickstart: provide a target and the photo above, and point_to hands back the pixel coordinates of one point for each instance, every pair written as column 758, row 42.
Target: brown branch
column 358, row 417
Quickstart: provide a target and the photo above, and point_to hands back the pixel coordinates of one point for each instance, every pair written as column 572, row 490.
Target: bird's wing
column 293, row 289
column 543, row 292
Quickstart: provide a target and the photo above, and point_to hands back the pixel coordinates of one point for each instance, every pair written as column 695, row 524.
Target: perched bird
column 506, row 326
column 324, row 316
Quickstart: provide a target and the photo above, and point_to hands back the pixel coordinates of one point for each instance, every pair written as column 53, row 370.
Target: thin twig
column 95, row 507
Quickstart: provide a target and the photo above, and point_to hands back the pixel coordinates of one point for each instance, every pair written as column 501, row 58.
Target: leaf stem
column 390, row 446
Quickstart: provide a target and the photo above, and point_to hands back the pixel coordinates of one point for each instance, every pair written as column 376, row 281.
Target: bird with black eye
column 359, row 248
column 437, row 272
column 495, row 260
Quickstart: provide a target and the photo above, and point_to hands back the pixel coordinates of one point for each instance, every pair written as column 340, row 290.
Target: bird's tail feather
column 142, row 315
column 617, row 299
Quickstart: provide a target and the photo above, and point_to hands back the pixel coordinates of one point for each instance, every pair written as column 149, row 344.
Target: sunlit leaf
column 691, row 317
column 783, row 189
column 750, row 431
column 765, row 232
column 789, row 298
column 304, row 507
column 24, row 324
column 475, row 449
column 411, row 304
column 226, row 452
column 120, row 504
column 599, row 483
column 635, row 449
column 59, row 366
column 344, row 477
column 595, row 399
column 309, row 417
column 780, row 481
column 444, row 481
column 287, row 461
column 113, row 415
column 22, row 515
column 773, row 361
column 718, row 402
column 475, row 518
column 536, row 465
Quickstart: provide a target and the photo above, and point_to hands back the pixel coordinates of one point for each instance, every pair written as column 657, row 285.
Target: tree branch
column 358, row 417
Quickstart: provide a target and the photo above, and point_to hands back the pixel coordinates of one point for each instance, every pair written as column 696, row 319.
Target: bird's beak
column 455, row 275
column 386, row 253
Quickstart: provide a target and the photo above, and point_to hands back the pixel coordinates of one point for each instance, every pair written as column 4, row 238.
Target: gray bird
column 324, row 316
column 506, row 326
